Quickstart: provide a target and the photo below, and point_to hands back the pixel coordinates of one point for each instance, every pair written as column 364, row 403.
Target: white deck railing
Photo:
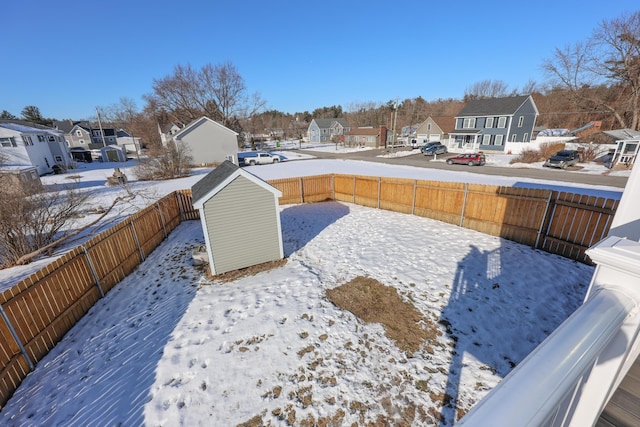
column 570, row 377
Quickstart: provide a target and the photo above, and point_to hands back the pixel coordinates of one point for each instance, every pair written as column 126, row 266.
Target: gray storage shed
column 240, row 218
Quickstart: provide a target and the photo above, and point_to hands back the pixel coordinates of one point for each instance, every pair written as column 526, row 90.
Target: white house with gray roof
column 240, row 218
column 29, row 144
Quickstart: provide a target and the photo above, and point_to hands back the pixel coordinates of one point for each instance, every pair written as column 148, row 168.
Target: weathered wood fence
column 38, row 311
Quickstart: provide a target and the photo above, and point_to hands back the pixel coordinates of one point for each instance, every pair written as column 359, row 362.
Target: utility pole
column 395, row 119
column 104, row 144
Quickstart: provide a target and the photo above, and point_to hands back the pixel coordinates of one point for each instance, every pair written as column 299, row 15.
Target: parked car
column 427, row 145
column 473, row 159
column 434, row 149
column 261, row 158
column 278, row 155
column 563, row 159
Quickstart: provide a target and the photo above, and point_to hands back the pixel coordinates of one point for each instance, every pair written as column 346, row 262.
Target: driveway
column 427, row 162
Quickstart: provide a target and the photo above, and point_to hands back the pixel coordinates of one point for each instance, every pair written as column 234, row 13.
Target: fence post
column 546, row 222
column 464, row 204
column 16, row 338
column 379, row 189
column 183, row 214
column 164, row 228
column 413, row 201
column 93, row 271
column 135, row 236
column 354, row 189
column 333, row 186
column 301, row 191
column 544, row 217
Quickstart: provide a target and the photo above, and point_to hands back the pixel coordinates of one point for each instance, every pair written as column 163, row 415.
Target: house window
column 40, row 138
column 525, row 138
column 78, row 132
column 59, row 159
column 428, row 126
column 27, row 140
column 468, row 123
column 488, row 123
column 502, row 122
column 514, row 137
column 486, row 139
column 8, row 142
column 51, row 138
column 520, row 121
column 498, row 140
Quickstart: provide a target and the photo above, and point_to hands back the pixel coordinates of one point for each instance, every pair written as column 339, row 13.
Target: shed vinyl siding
column 231, row 223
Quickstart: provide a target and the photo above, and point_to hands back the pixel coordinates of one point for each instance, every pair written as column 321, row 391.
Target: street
column 422, row 161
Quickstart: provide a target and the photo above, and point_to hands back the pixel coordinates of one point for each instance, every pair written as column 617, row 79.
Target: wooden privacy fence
column 38, row 311
column 558, row 222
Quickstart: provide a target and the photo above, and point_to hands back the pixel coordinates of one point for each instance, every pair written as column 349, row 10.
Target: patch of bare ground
column 230, row 276
column 374, row 302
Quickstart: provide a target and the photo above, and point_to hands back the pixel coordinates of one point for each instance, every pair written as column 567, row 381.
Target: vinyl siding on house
column 234, row 208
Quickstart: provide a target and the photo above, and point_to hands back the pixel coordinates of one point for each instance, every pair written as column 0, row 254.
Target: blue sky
column 69, row 56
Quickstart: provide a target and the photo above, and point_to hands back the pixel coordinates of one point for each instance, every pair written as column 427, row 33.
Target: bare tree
column 603, row 73
column 218, row 92
column 486, row 89
column 172, row 161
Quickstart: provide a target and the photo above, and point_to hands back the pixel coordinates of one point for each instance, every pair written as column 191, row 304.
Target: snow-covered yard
column 167, row 347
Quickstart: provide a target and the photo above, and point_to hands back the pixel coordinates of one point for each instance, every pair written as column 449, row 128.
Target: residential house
column 209, row 142
column 366, row 137
column 435, row 128
column 83, row 134
column 493, row 123
column 627, row 146
column 237, row 237
column 166, row 133
column 324, row 130
column 30, row 144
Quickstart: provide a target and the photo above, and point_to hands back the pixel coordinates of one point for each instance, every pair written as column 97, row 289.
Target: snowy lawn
column 168, row 347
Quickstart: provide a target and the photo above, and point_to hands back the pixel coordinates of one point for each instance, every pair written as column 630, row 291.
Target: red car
column 473, row 159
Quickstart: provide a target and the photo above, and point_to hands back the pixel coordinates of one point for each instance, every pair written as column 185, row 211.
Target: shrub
column 548, row 149
column 527, row 156
column 172, row 161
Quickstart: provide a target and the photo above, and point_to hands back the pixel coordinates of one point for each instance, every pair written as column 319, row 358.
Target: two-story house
column 489, row 124
column 83, row 134
column 435, row 128
column 30, row 144
column 323, row 130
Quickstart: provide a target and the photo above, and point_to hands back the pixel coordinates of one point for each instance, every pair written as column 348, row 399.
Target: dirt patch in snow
column 243, row 272
column 374, row 302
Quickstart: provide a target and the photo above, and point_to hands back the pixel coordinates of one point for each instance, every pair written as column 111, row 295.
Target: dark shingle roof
column 493, row 106
column 213, row 179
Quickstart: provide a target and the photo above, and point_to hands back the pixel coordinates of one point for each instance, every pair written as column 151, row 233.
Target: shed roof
column 218, row 178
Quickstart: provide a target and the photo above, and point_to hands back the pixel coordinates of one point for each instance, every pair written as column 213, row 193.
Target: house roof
column 364, row 131
column 446, row 123
column 197, row 122
column 218, row 178
column 24, row 126
column 327, row 123
column 493, row 106
column 621, row 134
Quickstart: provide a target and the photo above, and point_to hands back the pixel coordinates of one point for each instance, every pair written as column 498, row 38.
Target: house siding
column 210, row 143
column 234, row 208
